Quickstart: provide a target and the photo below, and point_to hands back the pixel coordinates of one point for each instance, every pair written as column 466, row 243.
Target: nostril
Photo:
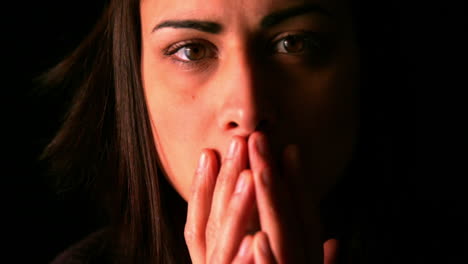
column 263, row 125
column 232, row 125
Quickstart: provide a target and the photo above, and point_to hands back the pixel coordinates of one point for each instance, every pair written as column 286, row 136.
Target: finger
column 291, row 167
column 267, row 195
column 330, row 251
column 262, row 250
column 253, row 224
column 307, row 213
column 301, row 190
column 199, row 205
column 245, row 254
column 235, row 221
column 234, row 162
column 295, row 183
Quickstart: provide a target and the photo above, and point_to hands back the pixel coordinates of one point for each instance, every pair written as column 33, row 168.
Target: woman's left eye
column 295, row 44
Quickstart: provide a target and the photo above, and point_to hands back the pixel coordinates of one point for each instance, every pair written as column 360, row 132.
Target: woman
column 211, row 131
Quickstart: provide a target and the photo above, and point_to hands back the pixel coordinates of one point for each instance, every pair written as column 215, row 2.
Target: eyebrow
column 282, row 15
column 205, row 26
column 267, row 22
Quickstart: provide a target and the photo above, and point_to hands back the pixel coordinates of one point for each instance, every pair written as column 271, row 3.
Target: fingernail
column 244, row 247
column 202, row 162
column 232, row 149
column 240, row 183
column 263, row 244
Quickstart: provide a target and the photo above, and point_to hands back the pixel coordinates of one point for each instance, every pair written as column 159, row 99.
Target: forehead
column 250, row 11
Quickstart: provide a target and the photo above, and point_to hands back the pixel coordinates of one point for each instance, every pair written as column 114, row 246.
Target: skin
column 241, row 86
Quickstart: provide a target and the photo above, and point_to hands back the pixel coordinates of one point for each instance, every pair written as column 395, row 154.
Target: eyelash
column 310, row 38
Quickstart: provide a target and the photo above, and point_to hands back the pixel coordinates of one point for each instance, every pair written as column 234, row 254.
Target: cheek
column 319, row 99
column 177, row 141
column 178, row 121
column 324, row 122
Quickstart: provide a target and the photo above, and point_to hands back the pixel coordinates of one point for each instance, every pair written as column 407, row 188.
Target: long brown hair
column 106, row 144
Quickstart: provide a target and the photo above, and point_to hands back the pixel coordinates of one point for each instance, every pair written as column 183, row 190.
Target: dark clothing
column 90, row 250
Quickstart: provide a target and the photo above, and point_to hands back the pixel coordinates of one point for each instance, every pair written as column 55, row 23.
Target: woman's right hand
column 220, row 209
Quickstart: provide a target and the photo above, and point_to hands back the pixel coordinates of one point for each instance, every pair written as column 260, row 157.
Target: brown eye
column 193, row 52
column 293, row 44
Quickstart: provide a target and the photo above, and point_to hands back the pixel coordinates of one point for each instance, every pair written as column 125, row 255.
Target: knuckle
column 211, row 231
column 263, row 168
column 191, row 235
column 234, row 210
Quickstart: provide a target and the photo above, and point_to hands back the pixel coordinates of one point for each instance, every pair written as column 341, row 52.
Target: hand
column 221, row 205
column 290, row 225
column 218, row 211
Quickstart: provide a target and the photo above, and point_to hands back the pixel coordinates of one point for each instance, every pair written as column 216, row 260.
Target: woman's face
column 213, row 69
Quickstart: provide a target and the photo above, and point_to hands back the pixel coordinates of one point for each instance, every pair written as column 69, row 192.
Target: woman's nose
column 246, row 107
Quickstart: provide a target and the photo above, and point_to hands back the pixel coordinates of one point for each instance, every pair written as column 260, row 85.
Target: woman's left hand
column 284, row 236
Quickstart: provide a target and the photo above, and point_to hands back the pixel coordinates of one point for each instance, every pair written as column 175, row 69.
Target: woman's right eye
column 190, row 51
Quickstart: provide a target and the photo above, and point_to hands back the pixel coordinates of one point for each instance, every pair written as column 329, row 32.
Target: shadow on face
column 216, row 69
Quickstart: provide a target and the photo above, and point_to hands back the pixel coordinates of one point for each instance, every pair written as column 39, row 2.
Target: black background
column 37, row 34
column 427, row 210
